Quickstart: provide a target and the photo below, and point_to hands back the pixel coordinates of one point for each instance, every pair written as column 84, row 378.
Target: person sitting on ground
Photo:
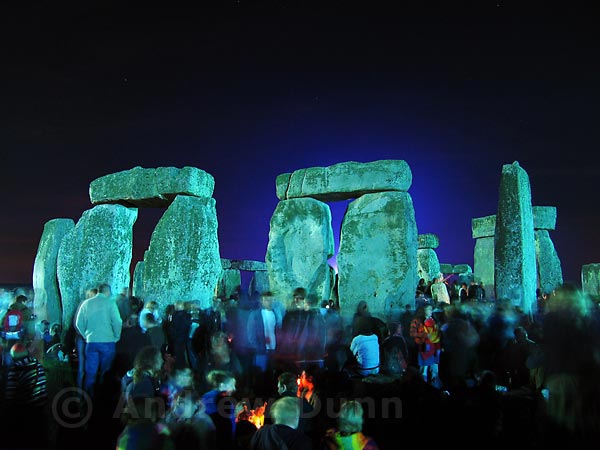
column 145, row 379
column 394, row 352
column 348, row 435
column 365, row 348
column 25, row 399
column 285, row 413
column 143, row 429
column 220, row 406
column 190, row 426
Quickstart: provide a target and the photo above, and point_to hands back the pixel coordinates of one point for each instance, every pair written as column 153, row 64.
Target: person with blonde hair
column 283, row 433
column 349, row 435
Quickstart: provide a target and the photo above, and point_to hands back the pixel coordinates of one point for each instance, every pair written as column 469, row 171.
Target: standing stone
column 300, row 243
column 182, row 261
column 47, row 304
column 259, row 282
column 549, row 269
column 230, row 282
column 98, row 250
column 464, row 273
column 514, row 250
column 378, row 251
column 483, row 231
column 138, row 285
column 590, row 279
column 428, row 264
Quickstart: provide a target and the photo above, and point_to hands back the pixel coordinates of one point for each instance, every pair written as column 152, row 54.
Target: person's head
column 55, row 328
column 428, row 311
column 266, row 300
column 150, row 320
column 105, row 289
column 152, row 305
column 287, row 382
column 299, row 295
column 148, row 359
column 362, row 308
column 286, row 411
column 310, row 302
column 350, row 419
column 92, row 292
column 219, row 342
column 19, row 351
column 520, row 333
column 221, row 380
column 184, row 377
column 132, row 321
column 306, row 381
column 186, row 403
column 44, row 326
column 179, row 305
column 395, row 328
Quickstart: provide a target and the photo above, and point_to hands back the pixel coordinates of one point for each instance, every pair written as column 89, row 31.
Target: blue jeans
column 80, row 347
column 99, row 356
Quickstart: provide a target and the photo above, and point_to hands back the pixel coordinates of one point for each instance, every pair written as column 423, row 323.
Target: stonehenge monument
column 380, row 259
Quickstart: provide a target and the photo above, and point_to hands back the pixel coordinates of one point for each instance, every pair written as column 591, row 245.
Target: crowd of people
column 263, row 371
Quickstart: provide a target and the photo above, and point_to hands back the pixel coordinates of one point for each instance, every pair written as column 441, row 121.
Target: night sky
column 250, row 90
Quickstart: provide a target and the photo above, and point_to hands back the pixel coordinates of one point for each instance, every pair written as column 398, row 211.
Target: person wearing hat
column 25, row 395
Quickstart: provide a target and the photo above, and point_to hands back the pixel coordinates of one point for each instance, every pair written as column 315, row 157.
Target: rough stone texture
column 514, row 249
column 544, row 217
column 464, row 272
column 428, row 241
column 183, row 261
column 428, row 264
column 97, row 250
column 151, row 187
column 462, row 268
column 230, row 281
column 549, row 268
column 378, row 250
column 483, row 226
column 138, row 285
column 345, row 180
column 590, row 279
column 300, row 243
column 46, row 303
column 243, row 264
column 446, row 268
column 483, row 264
column 259, row 282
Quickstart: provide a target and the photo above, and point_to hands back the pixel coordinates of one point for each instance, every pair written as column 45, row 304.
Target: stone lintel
column 446, row 268
column 244, row 264
column 428, row 240
column 462, row 268
column 483, row 226
column 345, row 180
column 544, row 217
column 151, row 188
